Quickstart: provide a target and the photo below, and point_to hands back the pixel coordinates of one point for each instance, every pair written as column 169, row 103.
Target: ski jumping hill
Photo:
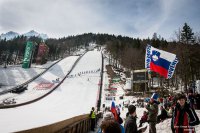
column 75, row 96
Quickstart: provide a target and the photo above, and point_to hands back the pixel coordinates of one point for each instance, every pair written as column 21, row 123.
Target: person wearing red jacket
column 184, row 117
column 143, row 118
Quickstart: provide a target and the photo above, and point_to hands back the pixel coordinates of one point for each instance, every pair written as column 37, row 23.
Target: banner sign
column 44, row 86
column 42, row 53
column 140, row 76
column 27, row 55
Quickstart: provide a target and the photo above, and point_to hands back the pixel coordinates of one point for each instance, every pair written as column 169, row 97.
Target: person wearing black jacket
column 184, row 117
column 163, row 115
column 130, row 125
column 152, row 107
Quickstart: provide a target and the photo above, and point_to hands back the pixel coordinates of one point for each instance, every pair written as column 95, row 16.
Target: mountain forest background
column 123, row 51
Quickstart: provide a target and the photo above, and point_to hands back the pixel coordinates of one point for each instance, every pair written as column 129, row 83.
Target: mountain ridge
column 11, row 35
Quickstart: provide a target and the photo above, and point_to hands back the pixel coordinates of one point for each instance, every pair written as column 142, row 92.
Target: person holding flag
column 117, row 117
column 152, row 107
column 114, row 111
column 160, row 61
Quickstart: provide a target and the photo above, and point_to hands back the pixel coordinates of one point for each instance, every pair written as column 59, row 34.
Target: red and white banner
column 44, row 86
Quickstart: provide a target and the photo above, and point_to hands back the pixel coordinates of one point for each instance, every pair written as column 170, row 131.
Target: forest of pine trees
column 126, row 51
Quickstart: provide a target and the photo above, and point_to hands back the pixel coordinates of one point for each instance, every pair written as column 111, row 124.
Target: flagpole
column 145, row 81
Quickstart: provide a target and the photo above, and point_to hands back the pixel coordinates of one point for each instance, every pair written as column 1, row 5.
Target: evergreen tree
column 155, row 37
column 187, row 36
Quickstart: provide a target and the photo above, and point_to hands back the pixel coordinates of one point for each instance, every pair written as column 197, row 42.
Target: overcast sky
column 133, row 18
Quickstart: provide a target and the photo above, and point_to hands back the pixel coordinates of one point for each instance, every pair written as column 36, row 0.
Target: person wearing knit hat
column 108, row 116
column 152, row 107
column 110, row 125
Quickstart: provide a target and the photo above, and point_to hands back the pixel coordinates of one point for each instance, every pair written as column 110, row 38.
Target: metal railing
column 101, row 81
column 81, row 126
column 77, row 124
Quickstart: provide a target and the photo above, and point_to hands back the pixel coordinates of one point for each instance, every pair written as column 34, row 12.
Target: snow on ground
column 74, row 97
column 162, row 127
column 35, row 88
column 16, row 75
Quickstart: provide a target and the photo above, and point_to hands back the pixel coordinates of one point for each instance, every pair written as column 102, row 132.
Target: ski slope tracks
column 16, row 75
column 74, row 97
column 43, row 84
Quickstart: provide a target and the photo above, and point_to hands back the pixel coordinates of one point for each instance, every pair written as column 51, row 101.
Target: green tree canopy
column 187, row 36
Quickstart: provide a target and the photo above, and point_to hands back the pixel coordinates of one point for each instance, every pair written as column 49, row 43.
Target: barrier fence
column 78, row 124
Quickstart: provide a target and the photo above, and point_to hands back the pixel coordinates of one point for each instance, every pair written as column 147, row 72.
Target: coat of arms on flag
column 160, row 61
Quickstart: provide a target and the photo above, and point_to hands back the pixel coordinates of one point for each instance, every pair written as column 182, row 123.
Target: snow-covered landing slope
column 75, row 96
column 15, row 75
column 43, row 83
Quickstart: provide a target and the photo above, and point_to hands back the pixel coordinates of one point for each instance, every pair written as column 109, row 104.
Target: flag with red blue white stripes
column 160, row 61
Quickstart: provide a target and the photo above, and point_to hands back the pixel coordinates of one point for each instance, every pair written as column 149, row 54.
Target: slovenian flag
column 160, row 61
column 114, row 111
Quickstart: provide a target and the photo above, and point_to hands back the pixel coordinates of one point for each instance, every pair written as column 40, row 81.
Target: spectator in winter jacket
column 197, row 97
column 93, row 118
column 184, row 117
column 169, row 111
column 119, row 120
column 152, row 108
column 110, row 126
column 163, row 115
column 107, row 126
column 161, row 101
column 191, row 99
column 143, row 118
column 130, row 123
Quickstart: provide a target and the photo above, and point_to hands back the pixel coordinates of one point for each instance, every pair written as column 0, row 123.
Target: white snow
column 75, row 96
column 16, row 75
column 9, row 35
column 162, row 127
